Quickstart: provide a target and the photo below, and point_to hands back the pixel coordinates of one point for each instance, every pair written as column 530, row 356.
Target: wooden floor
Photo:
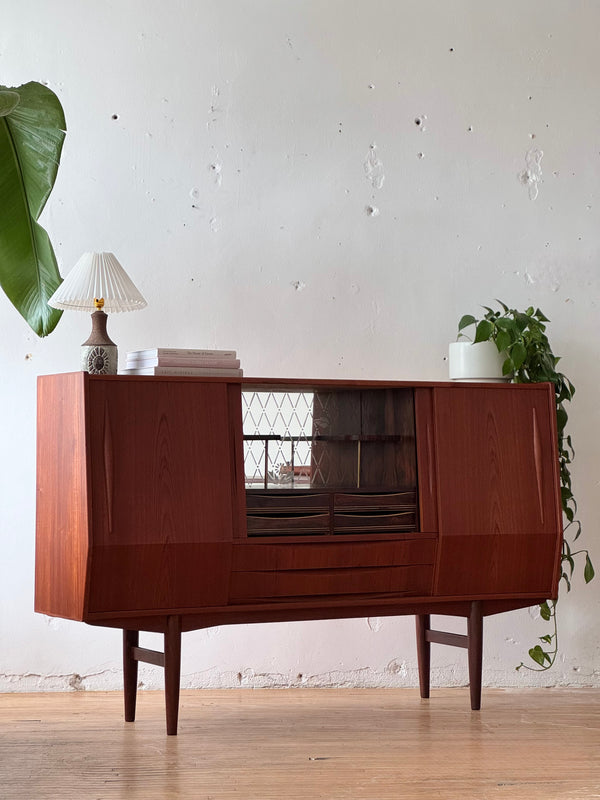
column 334, row 744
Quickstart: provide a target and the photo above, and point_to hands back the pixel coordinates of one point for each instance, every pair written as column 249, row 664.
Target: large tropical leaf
column 32, row 131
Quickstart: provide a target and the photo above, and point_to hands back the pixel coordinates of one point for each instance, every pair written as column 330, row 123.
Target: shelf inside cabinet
column 347, row 456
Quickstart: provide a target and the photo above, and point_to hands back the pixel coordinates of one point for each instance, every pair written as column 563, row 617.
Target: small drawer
column 281, row 524
column 330, row 553
column 367, row 500
column 276, row 501
column 398, row 521
column 272, row 586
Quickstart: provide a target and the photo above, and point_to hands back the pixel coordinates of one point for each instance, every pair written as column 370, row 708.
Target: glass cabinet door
column 330, row 461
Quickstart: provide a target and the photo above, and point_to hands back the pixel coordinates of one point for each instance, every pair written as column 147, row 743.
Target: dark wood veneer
column 144, row 523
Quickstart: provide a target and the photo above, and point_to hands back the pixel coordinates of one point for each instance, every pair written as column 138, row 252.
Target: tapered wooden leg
column 475, row 648
column 130, row 673
column 423, row 653
column 172, row 672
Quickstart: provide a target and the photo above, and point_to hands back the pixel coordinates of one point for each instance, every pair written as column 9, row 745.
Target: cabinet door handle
column 430, row 458
column 538, row 461
column 108, row 469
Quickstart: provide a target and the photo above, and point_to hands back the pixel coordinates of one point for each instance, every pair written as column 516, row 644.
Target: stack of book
column 173, row 361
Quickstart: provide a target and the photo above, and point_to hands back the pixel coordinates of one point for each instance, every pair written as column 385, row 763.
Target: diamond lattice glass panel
column 277, row 431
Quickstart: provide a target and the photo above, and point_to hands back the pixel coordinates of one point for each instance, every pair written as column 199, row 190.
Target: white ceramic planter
column 476, row 362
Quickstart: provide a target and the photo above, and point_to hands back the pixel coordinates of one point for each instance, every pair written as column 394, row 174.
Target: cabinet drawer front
column 283, row 524
column 286, row 502
column 266, row 557
column 258, row 586
column 392, row 500
column 399, row 521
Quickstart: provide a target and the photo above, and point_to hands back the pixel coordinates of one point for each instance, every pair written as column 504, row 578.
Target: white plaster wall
column 221, row 149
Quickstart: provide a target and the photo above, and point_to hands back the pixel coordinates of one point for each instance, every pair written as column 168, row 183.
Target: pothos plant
column 521, row 337
column 32, row 131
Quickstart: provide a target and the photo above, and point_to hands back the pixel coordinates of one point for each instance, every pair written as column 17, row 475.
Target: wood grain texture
column 497, row 492
column 475, row 647
column 488, row 470
column 131, row 641
column 278, row 502
column 367, row 523
column 401, row 580
column 332, row 555
column 399, row 501
column 172, row 672
column 426, row 460
column 236, row 460
column 160, row 577
column 329, row 512
column 163, row 486
column 391, row 465
column 62, row 512
column 496, row 564
column 300, row 523
column 423, row 623
column 369, row 464
column 348, row 606
column 304, row 744
column 255, row 384
column 335, row 463
column 170, row 462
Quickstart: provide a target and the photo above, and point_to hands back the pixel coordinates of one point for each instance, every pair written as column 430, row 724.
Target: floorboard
column 303, row 744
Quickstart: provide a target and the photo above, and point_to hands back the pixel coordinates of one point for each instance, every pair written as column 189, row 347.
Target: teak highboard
column 171, row 504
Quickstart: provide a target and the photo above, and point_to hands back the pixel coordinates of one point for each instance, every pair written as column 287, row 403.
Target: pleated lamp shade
column 97, row 275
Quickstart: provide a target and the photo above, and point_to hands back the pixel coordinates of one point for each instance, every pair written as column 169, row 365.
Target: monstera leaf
column 32, row 131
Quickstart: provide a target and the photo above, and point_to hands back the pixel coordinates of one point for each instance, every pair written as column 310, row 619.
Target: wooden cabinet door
column 498, row 493
column 164, row 493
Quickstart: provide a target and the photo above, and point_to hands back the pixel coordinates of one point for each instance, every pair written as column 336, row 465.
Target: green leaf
column 571, row 562
column 518, row 354
column 561, row 418
column 506, row 324
column 545, row 612
column 484, row 331
column 9, row 100
column 465, row 321
column 588, row 570
column 508, row 367
column 522, row 320
column 538, row 655
column 502, row 340
column 31, row 139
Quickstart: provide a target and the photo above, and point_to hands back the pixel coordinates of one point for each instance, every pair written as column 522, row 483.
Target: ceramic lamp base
column 99, row 359
column 99, row 352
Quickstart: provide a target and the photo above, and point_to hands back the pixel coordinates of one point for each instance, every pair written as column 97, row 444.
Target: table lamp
column 98, row 283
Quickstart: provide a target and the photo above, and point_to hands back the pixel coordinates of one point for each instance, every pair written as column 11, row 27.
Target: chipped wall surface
column 326, row 187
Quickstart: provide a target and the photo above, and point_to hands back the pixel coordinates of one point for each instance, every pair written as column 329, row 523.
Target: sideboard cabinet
column 171, row 504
